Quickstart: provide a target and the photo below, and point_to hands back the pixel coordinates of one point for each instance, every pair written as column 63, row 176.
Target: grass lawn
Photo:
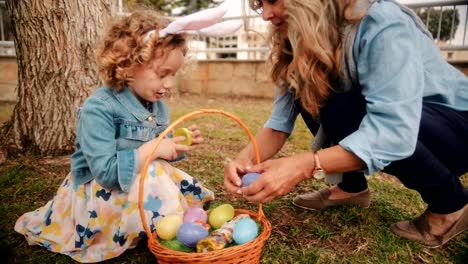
column 335, row 235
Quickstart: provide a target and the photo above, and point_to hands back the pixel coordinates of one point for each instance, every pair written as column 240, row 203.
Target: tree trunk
column 54, row 42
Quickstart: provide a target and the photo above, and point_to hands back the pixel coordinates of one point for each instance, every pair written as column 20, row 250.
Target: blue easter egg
column 245, row 230
column 190, row 233
column 248, row 178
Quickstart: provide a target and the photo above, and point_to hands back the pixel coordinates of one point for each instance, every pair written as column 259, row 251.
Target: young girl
column 94, row 215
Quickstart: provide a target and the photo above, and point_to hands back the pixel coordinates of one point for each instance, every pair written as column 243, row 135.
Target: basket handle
column 158, row 141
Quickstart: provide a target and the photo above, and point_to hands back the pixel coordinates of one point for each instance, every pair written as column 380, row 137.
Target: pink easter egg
column 195, row 214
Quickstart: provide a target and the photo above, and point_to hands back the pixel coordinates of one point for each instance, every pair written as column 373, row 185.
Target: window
column 6, row 30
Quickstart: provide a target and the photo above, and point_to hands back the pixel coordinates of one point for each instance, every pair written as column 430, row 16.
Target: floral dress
column 90, row 223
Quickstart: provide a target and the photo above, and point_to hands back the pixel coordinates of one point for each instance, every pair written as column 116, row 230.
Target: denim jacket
column 111, row 126
column 398, row 69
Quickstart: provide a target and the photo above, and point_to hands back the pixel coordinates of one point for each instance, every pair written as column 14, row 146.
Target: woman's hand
column 269, row 142
column 278, row 177
column 232, row 172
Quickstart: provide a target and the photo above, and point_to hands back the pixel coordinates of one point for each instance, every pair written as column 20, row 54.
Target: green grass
column 335, row 235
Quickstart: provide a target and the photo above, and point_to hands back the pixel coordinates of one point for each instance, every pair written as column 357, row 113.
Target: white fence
column 7, row 46
column 251, row 45
column 442, row 12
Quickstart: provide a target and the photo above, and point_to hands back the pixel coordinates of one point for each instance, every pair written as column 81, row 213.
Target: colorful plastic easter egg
column 248, row 178
column 221, row 215
column 167, row 227
column 205, row 225
column 190, row 233
column 245, row 231
column 175, row 244
column 185, row 132
column 195, row 214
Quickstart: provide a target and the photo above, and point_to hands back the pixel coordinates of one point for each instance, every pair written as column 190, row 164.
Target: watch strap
column 319, row 173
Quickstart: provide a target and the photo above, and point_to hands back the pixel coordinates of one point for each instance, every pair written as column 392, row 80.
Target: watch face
column 319, row 175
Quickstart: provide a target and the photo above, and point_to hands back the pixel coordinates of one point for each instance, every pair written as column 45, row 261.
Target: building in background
column 250, row 44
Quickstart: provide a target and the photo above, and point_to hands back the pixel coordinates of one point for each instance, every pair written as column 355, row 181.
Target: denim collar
column 133, row 105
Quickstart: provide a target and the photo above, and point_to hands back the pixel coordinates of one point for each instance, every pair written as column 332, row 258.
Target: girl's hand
column 169, row 149
column 278, row 177
column 197, row 139
column 196, row 135
column 232, row 172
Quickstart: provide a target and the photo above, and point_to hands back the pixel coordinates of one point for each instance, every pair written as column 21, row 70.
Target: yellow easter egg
column 221, row 215
column 185, row 132
column 167, row 227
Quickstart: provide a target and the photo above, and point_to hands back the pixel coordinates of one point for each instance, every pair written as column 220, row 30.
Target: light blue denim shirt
column 399, row 68
column 111, row 126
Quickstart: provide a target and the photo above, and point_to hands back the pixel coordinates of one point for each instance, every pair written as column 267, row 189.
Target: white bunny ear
column 203, row 18
column 195, row 21
column 220, row 29
column 149, row 34
column 202, row 23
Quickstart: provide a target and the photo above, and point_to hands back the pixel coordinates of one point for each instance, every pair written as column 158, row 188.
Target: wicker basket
column 246, row 253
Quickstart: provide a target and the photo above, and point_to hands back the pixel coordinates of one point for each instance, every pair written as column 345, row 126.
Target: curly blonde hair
column 309, row 61
column 123, row 46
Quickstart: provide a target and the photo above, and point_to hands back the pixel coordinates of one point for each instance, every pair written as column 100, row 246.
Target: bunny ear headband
column 203, row 23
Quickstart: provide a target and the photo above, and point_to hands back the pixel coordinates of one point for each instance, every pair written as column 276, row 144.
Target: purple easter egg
column 248, row 178
column 195, row 214
column 190, row 233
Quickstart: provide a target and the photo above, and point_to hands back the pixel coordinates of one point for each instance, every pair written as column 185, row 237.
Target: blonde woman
column 369, row 73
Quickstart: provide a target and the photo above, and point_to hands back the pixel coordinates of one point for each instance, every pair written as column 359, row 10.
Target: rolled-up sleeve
column 284, row 113
column 392, row 79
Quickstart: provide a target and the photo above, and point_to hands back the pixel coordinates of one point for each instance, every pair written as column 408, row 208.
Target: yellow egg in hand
column 167, row 227
column 185, row 132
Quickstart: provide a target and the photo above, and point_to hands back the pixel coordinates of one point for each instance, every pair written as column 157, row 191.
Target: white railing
column 459, row 41
column 7, row 47
column 251, row 45
column 452, row 48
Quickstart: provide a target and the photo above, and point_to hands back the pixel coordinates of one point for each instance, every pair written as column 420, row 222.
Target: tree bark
column 54, row 42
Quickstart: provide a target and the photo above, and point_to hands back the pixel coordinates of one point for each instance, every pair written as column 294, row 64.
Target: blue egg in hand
column 248, row 178
column 245, row 230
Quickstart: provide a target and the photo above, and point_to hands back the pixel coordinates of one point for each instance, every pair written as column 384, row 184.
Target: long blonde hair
column 309, row 62
column 123, row 46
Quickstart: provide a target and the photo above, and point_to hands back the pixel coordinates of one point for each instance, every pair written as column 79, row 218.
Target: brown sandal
column 419, row 230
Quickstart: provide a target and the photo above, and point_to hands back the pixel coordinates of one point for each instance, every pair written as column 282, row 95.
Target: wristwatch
column 318, row 173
